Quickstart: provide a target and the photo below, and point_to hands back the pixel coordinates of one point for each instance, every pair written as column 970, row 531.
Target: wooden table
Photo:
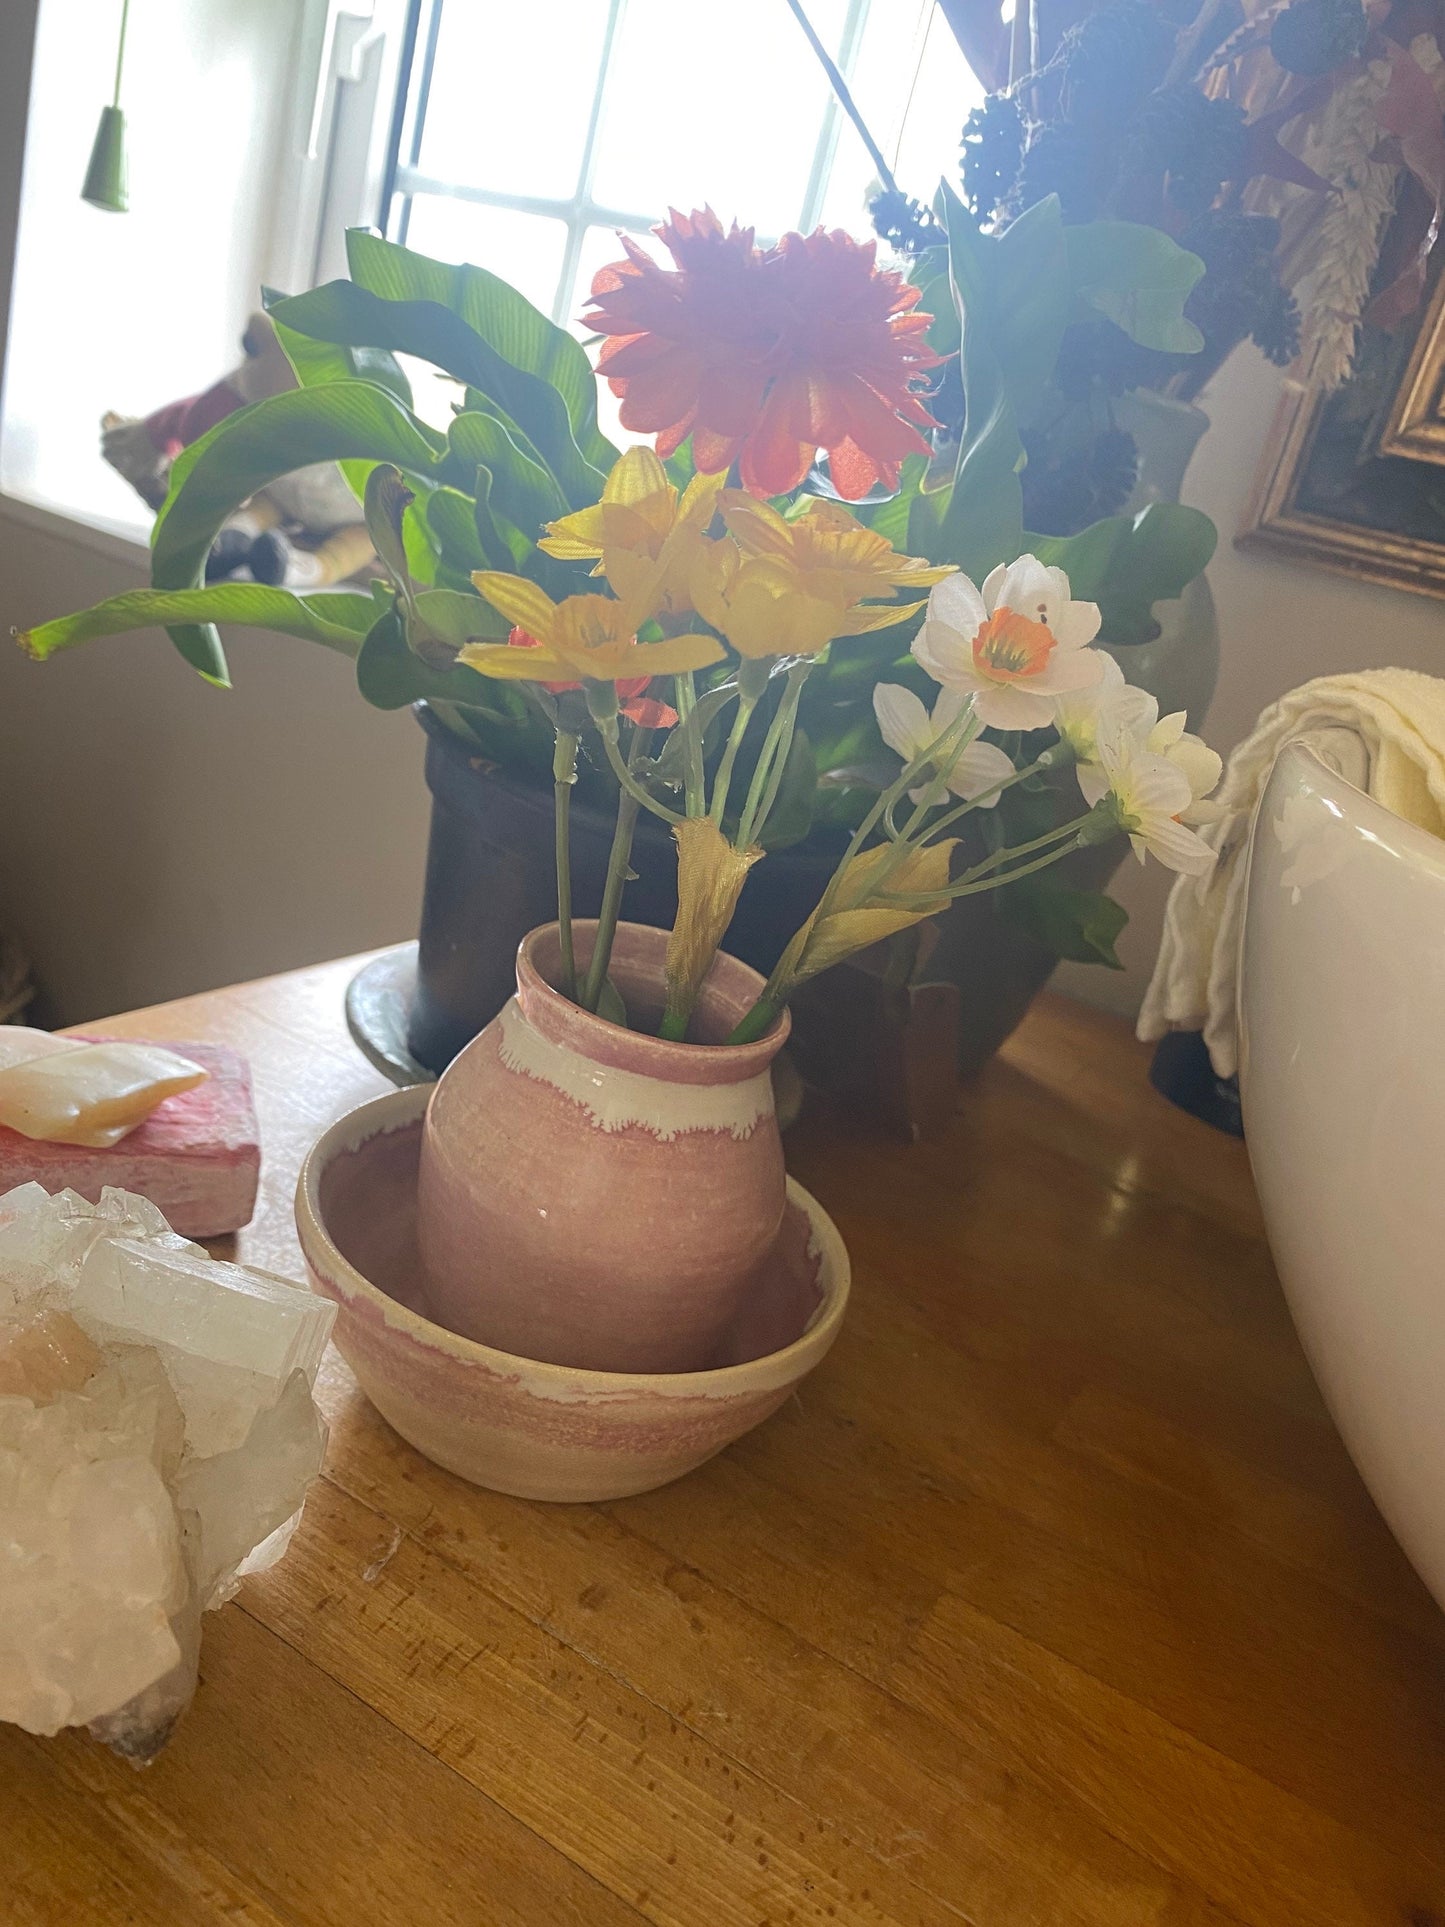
column 1052, row 1602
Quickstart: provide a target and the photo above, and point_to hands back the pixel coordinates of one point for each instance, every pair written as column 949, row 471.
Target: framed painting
column 1355, row 480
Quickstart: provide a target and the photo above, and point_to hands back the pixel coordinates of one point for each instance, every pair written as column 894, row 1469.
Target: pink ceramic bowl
column 535, row 1430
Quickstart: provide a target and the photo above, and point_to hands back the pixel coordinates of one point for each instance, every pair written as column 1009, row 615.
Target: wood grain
column 1053, row 1600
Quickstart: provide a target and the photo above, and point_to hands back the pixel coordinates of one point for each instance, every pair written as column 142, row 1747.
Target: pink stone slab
column 197, row 1156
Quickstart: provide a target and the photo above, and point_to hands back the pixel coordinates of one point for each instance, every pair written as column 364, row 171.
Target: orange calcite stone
column 48, row 1356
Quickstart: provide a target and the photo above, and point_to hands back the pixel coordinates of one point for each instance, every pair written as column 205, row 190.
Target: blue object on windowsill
column 1182, row 1072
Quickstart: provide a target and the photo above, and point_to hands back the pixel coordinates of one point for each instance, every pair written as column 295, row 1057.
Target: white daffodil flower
column 1202, row 765
column 909, row 731
column 1150, row 795
column 1015, row 647
column 1111, row 706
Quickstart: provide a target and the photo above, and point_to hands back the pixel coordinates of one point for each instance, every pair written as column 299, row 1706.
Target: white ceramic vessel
column 1343, row 1079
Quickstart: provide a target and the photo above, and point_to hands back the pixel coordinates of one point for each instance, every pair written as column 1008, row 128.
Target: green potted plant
column 523, row 453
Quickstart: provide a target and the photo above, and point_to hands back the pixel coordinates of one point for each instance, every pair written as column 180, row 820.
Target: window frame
column 404, row 179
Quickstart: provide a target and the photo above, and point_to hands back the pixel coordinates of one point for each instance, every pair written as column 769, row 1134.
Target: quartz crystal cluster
column 157, row 1436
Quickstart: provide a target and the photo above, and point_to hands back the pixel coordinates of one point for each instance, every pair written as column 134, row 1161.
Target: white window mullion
column 582, row 201
column 854, row 22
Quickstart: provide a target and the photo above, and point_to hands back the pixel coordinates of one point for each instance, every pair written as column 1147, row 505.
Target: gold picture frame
column 1414, row 423
column 1355, row 481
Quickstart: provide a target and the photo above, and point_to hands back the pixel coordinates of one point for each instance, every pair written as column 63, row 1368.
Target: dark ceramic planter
column 489, row 880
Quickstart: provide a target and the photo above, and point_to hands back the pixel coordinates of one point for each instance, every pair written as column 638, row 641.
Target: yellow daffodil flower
column 711, row 873
column 861, row 913
column 645, row 538
column 588, row 636
column 767, row 605
column 827, row 543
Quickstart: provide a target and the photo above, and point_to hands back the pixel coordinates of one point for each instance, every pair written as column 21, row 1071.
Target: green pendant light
column 105, row 178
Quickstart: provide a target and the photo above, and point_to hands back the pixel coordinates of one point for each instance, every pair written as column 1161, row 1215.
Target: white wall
column 158, row 836
column 1281, row 623
column 126, row 311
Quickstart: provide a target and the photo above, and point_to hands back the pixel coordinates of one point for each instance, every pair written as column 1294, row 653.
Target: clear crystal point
column 157, row 1437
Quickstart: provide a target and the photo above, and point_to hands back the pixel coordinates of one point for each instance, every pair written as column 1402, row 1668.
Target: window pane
column 525, row 249
column 728, row 113
column 918, row 82
column 511, row 94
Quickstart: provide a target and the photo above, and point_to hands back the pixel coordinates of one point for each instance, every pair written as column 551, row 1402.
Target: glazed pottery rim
column 662, row 1052
column 1418, row 840
column 395, row 1111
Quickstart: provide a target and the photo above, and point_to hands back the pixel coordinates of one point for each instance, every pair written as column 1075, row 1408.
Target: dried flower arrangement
column 1274, row 141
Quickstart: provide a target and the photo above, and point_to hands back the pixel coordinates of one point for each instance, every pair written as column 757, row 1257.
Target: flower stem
column 756, row 1022
column 694, row 791
column 1017, row 850
column 881, row 811
column 940, row 899
column 776, row 991
column 942, row 756
column 772, row 760
column 673, row 1028
column 722, row 782
column 994, row 790
column 617, row 865
column 628, row 782
column 564, row 775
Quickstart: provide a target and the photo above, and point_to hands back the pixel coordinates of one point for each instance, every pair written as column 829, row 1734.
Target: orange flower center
column 1011, row 648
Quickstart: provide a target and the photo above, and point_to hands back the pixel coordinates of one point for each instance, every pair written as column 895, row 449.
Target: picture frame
column 1354, row 481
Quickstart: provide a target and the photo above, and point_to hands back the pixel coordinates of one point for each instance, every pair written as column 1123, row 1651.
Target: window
column 126, row 311
column 521, row 134
column 529, row 134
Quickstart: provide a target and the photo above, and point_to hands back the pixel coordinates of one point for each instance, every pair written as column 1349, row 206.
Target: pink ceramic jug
column 593, row 1196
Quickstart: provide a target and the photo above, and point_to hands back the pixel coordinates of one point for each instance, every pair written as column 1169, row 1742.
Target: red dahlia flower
column 766, row 355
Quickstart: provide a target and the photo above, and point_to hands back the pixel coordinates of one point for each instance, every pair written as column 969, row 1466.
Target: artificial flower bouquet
column 1013, row 659
column 717, row 629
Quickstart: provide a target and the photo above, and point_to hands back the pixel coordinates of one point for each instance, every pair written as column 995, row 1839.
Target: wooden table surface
column 1053, row 1601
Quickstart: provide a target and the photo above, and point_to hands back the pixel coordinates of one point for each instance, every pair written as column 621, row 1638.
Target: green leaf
column 1086, row 558
column 1126, row 566
column 1080, row 925
column 455, row 617
column 1139, row 278
column 386, row 502
column 336, row 619
column 505, row 546
column 526, row 492
column 342, row 311
column 1030, row 300
column 391, row 675
column 1012, row 293
column 890, row 518
column 479, row 404
column 451, row 518
column 316, row 362
column 520, row 333
column 929, row 274
column 422, row 551
column 343, row 420
column 680, row 466
column 669, row 767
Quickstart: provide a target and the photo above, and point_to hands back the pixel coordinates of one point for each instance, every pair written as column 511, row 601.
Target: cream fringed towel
column 1383, row 730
